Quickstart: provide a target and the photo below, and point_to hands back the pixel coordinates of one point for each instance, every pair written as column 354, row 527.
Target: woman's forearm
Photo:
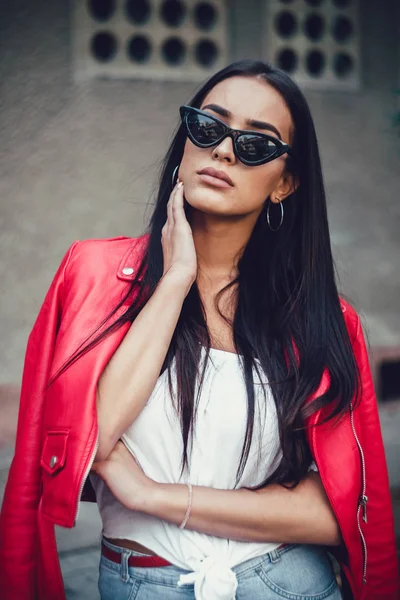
column 131, row 374
column 273, row 514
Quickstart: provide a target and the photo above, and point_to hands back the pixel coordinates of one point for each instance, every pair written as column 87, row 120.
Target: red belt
column 134, row 561
column 140, row 561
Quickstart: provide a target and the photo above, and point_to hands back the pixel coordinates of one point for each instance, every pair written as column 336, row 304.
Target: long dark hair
column 288, row 313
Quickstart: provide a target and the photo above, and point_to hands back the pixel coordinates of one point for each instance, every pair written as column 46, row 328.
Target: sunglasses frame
column 281, row 147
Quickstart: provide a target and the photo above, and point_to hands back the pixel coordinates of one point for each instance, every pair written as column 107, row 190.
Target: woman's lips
column 214, row 181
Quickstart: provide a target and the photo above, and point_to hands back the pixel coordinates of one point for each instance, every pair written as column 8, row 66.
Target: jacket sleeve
column 18, row 519
column 382, row 569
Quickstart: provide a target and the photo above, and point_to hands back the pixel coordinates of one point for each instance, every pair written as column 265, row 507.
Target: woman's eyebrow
column 252, row 122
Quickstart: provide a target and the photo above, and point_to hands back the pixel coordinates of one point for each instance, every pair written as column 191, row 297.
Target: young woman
column 211, row 378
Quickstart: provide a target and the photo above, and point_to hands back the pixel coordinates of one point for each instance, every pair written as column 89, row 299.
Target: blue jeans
column 294, row 572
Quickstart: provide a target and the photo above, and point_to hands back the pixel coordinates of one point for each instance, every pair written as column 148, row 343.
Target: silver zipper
column 362, row 503
column 87, row 471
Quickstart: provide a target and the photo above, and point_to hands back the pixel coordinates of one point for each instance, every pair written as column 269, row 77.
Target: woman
column 211, row 379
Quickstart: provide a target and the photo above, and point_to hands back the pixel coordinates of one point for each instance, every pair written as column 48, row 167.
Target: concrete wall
column 80, row 161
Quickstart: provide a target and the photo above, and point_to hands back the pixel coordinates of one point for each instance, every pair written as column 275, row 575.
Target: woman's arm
column 272, row 514
column 130, row 376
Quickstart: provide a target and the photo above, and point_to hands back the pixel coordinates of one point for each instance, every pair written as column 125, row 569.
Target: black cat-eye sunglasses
column 251, row 147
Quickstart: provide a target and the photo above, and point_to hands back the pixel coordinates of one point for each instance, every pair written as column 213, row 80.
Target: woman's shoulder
column 94, row 257
column 109, row 248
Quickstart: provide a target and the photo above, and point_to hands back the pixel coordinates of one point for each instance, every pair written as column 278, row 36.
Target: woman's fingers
column 170, row 217
column 175, row 209
column 177, row 206
column 179, row 254
column 170, row 211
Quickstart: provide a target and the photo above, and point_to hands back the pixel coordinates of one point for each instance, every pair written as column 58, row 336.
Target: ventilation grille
column 315, row 41
column 153, row 39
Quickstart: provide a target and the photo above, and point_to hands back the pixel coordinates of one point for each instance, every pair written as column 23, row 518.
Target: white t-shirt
column 156, row 442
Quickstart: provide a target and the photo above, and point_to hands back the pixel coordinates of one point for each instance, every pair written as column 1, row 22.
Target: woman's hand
column 177, row 240
column 125, row 478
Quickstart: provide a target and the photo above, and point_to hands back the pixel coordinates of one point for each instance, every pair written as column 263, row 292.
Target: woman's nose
column 224, row 151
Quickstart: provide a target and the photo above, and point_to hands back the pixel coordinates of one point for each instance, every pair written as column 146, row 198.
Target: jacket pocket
column 54, row 451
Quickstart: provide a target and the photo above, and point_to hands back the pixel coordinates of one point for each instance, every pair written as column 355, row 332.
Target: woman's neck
column 220, row 243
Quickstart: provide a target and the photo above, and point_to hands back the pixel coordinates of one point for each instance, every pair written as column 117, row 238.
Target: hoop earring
column 268, row 219
column 174, row 174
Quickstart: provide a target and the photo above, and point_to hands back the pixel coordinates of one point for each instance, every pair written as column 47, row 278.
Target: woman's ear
column 286, row 186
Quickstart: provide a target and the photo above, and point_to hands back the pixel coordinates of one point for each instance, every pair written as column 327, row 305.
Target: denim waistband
column 251, row 563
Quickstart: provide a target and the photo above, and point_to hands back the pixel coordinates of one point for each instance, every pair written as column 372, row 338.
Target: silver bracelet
column 189, row 508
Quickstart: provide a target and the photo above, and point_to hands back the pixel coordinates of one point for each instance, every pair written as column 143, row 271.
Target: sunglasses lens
column 204, row 130
column 253, row 148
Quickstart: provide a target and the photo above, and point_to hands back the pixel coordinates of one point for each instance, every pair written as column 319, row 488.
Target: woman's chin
column 209, row 200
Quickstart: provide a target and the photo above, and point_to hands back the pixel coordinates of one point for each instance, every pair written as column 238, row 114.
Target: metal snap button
column 127, row 270
column 53, row 461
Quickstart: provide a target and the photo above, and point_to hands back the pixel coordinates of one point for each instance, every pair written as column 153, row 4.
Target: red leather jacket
column 57, row 437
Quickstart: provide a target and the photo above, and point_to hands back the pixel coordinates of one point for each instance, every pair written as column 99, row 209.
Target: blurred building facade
column 316, row 41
